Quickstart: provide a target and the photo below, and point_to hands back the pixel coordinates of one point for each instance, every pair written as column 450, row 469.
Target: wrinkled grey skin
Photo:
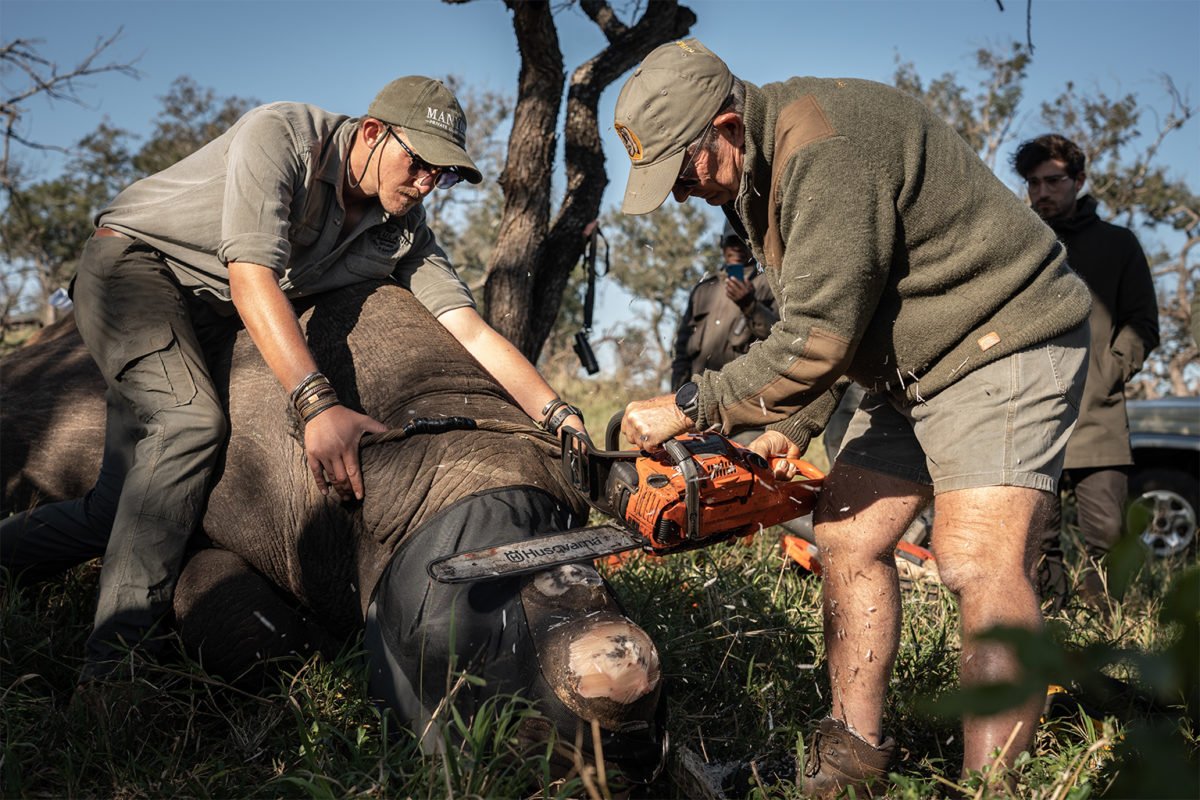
column 386, row 356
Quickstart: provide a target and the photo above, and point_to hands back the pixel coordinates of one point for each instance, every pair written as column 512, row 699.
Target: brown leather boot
column 837, row 759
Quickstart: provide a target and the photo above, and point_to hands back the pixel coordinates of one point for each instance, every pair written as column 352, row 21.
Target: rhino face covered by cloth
column 281, row 568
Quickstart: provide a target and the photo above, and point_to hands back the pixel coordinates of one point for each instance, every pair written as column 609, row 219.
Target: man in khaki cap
column 899, row 261
column 290, row 202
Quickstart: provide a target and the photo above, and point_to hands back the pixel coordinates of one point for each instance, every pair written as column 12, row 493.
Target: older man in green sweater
column 900, row 262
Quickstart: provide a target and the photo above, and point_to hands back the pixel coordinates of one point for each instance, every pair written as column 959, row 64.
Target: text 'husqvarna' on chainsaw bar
column 698, row 490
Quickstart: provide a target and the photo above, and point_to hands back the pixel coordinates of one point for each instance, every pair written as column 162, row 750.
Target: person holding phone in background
column 723, row 316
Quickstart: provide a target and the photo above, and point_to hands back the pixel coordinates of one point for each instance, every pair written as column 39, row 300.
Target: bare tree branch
column 43, row 78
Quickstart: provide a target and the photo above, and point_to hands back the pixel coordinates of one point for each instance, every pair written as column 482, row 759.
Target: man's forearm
column 500, row 358
column 271, row 322
column 760, row 318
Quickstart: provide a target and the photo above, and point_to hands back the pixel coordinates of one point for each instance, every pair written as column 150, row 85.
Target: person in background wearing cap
column 899, row 260
column 723, row 317
column 290, row 202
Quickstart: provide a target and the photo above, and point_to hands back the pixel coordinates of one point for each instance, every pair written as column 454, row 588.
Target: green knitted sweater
column 897, row 258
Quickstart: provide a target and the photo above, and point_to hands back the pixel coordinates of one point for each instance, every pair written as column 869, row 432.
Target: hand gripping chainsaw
column 698, row 490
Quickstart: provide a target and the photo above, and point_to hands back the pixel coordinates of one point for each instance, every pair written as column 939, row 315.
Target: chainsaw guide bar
column 533, row 555
column 700, row 489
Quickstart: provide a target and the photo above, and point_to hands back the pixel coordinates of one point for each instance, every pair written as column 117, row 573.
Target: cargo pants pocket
column 155, row 375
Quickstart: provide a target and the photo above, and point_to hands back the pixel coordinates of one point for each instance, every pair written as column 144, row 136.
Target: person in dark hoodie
column 1124, row 325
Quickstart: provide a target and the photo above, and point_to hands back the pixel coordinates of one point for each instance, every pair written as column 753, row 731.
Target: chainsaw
column 698, row 490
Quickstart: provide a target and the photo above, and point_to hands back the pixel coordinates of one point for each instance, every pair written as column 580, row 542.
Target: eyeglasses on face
column 443, row 177
column 1049, row 181
column 688, row 179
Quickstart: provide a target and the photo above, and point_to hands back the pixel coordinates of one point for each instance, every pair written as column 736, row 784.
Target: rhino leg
column 557, row 638
column 236, row 623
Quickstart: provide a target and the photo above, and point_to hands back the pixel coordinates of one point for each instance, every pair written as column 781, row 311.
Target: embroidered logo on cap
column 446, row 120
column 633, row 145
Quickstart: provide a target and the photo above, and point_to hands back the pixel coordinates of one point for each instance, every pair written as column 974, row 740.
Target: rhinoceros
column 280, row 568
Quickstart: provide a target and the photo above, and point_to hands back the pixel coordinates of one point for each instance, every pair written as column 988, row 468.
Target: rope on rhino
column 427, row 425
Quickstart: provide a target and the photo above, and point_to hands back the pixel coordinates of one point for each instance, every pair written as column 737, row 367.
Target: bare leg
column 860, row 518
column 984, row 540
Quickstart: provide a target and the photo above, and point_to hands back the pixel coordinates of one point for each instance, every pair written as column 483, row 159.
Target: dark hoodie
column 1124, row 322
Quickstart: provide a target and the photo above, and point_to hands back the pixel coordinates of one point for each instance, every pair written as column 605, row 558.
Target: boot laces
column 814, row 755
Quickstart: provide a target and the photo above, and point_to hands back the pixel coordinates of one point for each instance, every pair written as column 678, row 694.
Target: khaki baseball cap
column 431, row 118
column 667, row 102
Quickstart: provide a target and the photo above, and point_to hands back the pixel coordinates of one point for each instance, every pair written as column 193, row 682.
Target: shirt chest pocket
column 304, row 235
column 363, row 265
column 306, row 226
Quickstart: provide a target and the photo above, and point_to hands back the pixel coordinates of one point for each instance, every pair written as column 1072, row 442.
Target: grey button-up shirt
column 269, row 191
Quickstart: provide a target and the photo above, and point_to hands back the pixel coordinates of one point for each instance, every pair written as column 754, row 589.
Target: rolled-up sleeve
column 426, row 271
column 261, row 176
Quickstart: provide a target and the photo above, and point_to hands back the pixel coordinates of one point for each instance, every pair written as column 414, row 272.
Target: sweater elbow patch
column 825, row 356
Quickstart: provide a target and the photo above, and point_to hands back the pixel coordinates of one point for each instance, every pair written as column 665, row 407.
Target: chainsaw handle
column 803, row 468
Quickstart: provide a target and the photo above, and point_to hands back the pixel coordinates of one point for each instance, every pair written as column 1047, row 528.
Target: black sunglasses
column 443, row 177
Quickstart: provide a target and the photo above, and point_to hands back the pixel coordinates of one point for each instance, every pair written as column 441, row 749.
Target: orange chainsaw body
column 703, row 488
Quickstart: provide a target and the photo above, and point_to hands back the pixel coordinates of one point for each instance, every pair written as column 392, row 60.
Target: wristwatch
column 687, row 399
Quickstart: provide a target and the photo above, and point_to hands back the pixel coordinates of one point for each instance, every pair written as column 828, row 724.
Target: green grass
column 171, row 730
column 739, row 635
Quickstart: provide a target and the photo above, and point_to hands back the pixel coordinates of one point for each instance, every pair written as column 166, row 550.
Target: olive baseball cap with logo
column 668, row 101
column 432, row 120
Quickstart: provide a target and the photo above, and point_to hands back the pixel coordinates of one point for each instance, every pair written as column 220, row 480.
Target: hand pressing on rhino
column 331, row 431
column 331, row 442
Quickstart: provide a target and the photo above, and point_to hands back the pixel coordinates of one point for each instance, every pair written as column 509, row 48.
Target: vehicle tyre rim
column 1165, row 522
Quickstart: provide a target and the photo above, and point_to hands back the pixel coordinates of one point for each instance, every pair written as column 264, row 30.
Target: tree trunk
column 533, row 259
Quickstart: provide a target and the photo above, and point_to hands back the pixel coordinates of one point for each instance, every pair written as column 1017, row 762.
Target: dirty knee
column 839, row 550
column 960, row 573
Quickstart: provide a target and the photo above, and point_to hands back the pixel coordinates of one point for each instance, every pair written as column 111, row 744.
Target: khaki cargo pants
column 153, row 341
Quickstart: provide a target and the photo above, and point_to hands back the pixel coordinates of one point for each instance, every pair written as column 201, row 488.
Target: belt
column 102, row 233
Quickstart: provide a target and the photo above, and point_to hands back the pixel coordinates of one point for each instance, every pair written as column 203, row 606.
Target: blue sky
column 338, row 54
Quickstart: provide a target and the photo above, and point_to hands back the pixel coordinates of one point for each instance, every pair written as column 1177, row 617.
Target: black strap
column 425, row 426
column 589, row 265
column 735, row 222
column 582, row 347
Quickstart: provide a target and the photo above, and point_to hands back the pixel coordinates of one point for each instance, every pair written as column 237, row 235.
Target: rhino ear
column 236, row 624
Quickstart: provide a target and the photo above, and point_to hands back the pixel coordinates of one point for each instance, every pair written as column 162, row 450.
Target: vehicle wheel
column 1162, row 510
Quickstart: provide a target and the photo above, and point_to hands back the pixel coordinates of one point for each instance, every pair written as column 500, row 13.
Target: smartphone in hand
column 736, row 271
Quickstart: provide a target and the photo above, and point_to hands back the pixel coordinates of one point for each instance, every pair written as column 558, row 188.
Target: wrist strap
column 550, row 407
column 555, row 413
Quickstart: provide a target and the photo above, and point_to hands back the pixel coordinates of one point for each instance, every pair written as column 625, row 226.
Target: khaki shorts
column 1005, row 424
